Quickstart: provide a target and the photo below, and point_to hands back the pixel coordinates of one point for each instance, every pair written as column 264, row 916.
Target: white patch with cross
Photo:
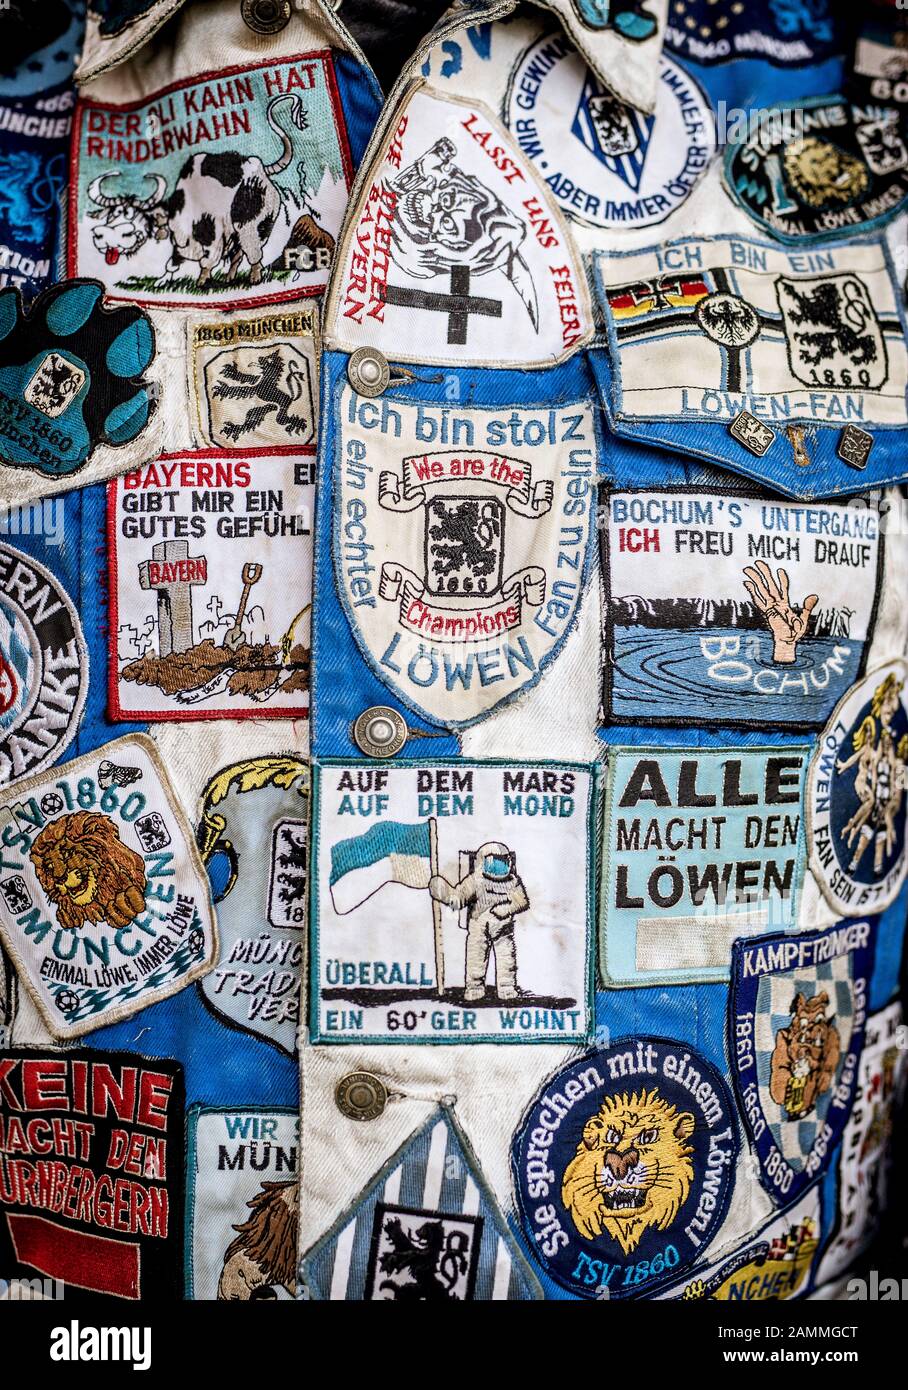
column 456, row 252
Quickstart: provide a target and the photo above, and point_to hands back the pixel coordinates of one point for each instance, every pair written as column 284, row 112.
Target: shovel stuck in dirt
column 235, row 637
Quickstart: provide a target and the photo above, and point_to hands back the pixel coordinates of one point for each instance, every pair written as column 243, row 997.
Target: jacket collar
column 621, row 40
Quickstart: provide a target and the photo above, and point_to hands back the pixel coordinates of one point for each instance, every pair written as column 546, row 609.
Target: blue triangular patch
column 426, row 1229
column 616, row 134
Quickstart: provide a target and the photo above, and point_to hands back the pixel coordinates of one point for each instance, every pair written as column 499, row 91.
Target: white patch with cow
column 228, row 189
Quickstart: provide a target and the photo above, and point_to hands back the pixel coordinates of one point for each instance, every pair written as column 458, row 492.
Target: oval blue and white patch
column 607, row 164
column 856, row 814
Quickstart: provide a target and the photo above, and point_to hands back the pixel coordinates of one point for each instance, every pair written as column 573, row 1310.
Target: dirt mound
column 254, row 669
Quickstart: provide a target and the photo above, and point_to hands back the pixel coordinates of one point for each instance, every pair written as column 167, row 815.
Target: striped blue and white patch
column 798, row 1007
column 426, row 1228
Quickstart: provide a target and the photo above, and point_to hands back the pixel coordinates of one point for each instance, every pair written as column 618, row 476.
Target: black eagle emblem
column 264, row 387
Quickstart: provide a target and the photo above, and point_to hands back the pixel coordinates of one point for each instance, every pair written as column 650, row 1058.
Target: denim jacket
column 453, row 655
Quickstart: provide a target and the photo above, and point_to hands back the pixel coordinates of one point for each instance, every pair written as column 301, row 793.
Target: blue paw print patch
column 70, row 376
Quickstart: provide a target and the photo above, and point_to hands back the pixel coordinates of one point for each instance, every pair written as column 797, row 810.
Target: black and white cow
column 223, row 207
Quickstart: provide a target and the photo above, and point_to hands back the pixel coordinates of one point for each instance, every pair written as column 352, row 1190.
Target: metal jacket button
column 380, row 732
column 368, row 371
column 265, row 16
column 361, row 1096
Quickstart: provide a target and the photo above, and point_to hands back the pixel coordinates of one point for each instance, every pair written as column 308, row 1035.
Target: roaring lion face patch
column 624, row 1166
column 632, row 1168
column 87, row 872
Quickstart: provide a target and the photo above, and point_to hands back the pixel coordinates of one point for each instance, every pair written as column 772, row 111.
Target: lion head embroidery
column 821, row 174
column 87, row 872
column 632, row 1169
column 805, row 1056
column 263, row 1253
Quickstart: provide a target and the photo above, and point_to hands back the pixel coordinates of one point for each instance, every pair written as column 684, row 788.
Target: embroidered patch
column 211, row 588
column 34, row 139
column 624, row 1166
column 735, row 610
column 798, row 1004
column 242, row 1212
column 819, row 170
column 881, row 63
column 104, row 903
column 452, row 902
column 461, row 568
column 856, row 795
column 254, row 381
column 702, row 845
column 621, row 39
column 9, row 996
column 43, row 666
column 227, row 189
column 254, row 842
column 91, row 1170
column 607, row 164
column 70, row 376
column 400, row 1234
column 427, row 1228
column 773, row 1264
column 865, row 1160
column 702, row 329
column 54, row 384
column 456, row 252
column 632, row 19
column 40, row 47
column 786, row 33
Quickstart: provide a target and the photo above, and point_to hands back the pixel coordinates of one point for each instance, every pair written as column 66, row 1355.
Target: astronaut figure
column 493, row 894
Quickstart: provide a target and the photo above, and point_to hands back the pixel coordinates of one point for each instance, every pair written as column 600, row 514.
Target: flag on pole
column 390, row 852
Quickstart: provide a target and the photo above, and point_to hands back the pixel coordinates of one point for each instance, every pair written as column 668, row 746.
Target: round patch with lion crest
column 820, row 169
column 624, row 1166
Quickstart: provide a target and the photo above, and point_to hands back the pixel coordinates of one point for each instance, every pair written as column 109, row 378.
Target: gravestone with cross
column 174, row 574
